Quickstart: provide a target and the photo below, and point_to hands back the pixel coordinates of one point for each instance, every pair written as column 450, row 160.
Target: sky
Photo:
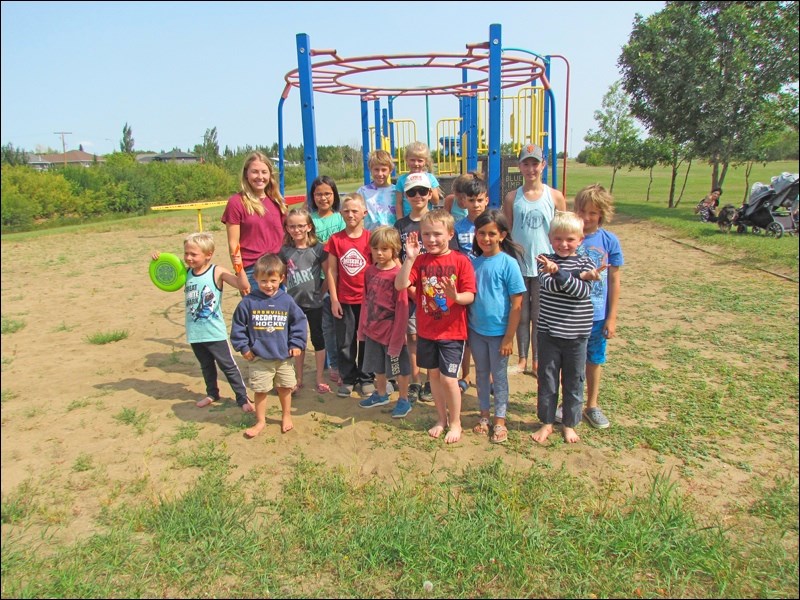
column 172, row 70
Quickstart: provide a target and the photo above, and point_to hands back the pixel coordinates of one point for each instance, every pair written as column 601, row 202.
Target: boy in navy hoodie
column 270, row 329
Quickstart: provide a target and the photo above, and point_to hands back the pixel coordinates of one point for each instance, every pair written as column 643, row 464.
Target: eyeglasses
column 323, row 196
column 418, row 191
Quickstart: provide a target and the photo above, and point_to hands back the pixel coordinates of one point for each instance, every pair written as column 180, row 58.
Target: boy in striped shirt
column 565, row 322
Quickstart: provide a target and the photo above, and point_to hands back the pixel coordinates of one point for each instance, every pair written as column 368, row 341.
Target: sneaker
column 401, row 409
column 367, row 389
column 559, row 414
column 345, row 390
column 426, row 395
column 374, row 400
column 414, row 390
column 596, row 418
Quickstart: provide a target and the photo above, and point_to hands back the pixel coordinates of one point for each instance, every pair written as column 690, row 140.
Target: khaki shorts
column 266, row 374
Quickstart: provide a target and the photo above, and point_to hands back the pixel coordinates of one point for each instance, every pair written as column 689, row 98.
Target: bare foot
column 522, row 366
column 540, row 437
column 286, row 424
column 570, row 436
column 436, row 431
column 254, row 430
column 204, row 402
column 453, row 435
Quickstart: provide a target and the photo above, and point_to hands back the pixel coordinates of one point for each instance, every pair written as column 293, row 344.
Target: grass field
column 703, row 378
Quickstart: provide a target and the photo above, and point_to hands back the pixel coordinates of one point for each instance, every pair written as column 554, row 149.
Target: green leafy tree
column 126, row 145
column 714, row 74
column 616, row 136
column 209, row 150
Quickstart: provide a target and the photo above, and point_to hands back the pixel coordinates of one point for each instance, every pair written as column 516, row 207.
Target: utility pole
column 63, row 144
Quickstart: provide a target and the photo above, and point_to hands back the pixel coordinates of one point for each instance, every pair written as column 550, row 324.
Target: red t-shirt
column 258, row 235
column 352, row 256
column 438, row 317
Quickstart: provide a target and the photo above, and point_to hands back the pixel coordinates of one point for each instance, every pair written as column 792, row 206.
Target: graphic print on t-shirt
column 352, row 262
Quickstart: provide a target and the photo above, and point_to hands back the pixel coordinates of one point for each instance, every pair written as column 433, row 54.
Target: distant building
column 177, row 156
column 43, row 162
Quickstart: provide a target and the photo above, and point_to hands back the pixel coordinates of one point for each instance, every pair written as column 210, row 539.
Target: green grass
column 488, row 532
column 9, row 325
column 107, row 337
column 134, row 418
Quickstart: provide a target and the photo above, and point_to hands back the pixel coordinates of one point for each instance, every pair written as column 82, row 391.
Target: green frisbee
column 168, row 272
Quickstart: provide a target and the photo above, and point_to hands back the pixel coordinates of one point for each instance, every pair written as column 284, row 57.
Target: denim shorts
column 596, row 348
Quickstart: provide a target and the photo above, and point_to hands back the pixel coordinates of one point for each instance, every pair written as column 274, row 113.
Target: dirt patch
column 70, row 408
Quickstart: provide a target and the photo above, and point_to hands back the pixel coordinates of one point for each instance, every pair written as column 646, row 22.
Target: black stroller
column 771, row 208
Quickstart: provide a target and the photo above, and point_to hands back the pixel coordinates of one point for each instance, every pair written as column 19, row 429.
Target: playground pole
column 365, row 137
column 495, row 125
column 307, row 109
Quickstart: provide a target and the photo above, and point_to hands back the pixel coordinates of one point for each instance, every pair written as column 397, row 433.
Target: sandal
column 323, row 388
column 500, row 434
column 482, row 428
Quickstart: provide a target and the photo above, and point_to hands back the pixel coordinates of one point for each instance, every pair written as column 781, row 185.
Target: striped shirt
column 565, row 304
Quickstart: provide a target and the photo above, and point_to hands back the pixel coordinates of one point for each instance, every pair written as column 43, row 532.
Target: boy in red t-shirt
column 445, row 286
column 349, row 255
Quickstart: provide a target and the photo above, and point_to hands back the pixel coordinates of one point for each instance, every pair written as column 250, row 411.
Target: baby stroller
column 771, row 208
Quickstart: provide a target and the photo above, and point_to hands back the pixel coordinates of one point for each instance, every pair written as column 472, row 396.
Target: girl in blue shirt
column 494, row 316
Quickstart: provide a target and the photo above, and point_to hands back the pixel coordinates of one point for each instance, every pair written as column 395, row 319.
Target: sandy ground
column 63, row 398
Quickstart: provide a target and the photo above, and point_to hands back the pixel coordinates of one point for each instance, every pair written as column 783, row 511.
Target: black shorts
column 378, row 361
column 445, row 355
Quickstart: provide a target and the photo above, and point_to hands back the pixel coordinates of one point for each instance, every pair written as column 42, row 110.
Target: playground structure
column 492, row 77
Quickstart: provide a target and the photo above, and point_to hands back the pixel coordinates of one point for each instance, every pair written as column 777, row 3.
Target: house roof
column 72, row 156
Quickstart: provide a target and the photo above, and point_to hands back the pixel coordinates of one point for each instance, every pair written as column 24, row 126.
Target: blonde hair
column 269, row 264
column 354, row 197
column 566, row 222
column 386, row 236
column 311, row 233
column 596, row 195
column 439, row 215
column 420, row 149
column 252, row 203
column 380, row 158
column 201, row 239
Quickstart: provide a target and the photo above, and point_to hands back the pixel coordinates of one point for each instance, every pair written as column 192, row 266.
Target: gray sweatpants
column 561, row 360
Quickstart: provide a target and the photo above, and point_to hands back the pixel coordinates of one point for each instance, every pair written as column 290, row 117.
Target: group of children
column 389, row 286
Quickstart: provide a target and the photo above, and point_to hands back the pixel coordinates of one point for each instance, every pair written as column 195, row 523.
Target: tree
column 9, row 155
column 126, row 145
column 209, row 150
column 616, row 136
column 714, row 74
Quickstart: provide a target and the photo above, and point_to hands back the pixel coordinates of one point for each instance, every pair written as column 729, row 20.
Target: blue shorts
column 596, row 348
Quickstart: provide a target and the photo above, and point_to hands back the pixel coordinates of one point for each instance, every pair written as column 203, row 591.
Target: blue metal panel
column 365, row 137
column 377, row 116
column 546, row 122
column 551, row 100
column 495, row 115
column 307, row 109
column 392, row 141
column 472, row 157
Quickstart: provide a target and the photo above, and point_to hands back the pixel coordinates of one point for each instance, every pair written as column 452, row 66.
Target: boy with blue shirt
column 596, row 207
column 473, row 198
